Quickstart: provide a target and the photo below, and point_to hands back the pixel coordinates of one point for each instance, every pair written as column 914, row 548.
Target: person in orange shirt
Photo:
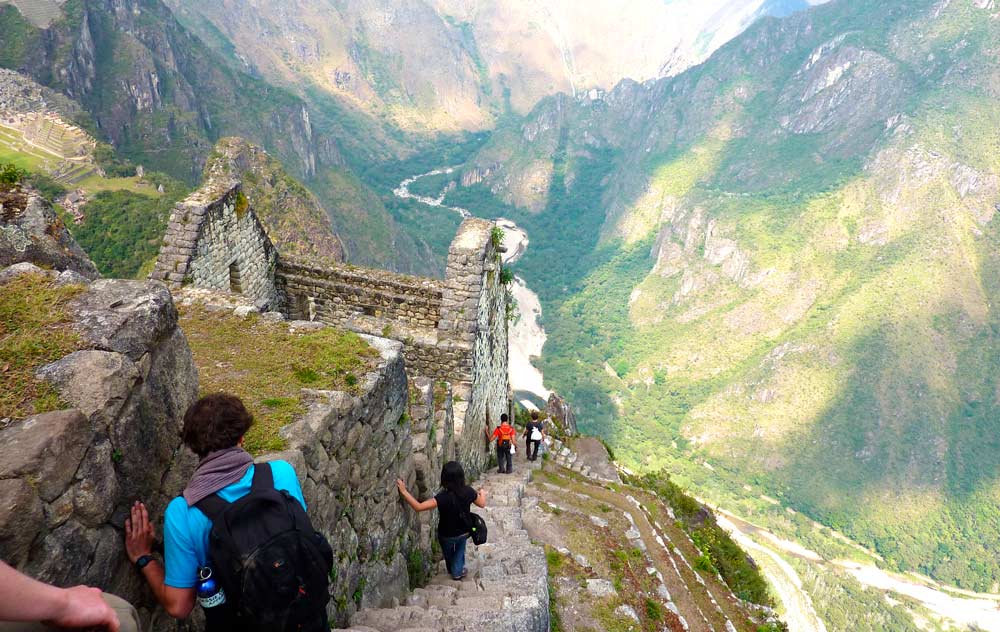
column 505, row 435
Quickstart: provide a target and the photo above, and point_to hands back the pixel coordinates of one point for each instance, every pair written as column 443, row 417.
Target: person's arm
column 25, row 599
column 413, row 502
column 139, row 537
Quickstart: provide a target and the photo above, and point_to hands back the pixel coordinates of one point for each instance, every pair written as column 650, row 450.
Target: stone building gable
column 214, row 240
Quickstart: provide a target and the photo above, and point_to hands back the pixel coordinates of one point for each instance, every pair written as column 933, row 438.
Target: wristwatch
column 142, row 561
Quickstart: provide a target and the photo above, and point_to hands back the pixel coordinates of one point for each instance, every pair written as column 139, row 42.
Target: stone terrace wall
column 343, row 294
column 215, row 241
column 349, row 451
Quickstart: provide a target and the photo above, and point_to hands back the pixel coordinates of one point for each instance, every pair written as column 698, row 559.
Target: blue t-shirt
column 186, row 529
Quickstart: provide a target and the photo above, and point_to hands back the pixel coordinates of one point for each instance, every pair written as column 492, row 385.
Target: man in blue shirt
column 213, row 429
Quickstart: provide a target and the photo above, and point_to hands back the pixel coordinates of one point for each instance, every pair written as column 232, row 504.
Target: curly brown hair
column 215, row 422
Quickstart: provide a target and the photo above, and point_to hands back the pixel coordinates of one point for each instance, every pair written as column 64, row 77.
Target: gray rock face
column 562, row 414
column 127, row 317
column 21, row 518
column 67, row 477
column 46, row 449
column 31, row 232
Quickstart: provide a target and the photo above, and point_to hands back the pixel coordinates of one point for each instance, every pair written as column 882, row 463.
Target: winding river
column 527, row 337
column 953, row 607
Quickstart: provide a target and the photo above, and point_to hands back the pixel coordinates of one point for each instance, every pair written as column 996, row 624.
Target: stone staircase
column 506, row 589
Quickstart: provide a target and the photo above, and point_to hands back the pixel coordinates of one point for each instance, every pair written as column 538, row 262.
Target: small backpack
column 270, row 561
column 506, row 437
column 472, row 521
column 536, row 432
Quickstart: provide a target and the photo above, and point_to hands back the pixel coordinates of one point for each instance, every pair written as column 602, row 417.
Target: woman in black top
column 452, row 501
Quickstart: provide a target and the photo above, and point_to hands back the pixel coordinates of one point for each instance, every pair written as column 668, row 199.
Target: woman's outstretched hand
column 401, row 486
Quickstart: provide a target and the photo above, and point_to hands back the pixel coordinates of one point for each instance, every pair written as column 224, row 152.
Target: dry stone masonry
column 68, row 477
column 453, row 329
column 214, row 241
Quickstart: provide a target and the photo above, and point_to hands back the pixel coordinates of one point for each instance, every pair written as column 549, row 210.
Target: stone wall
column 359, row 298
column 349, row 451
column 453, row 329
column 474, row 318
column 68, row 477
column 215, row 241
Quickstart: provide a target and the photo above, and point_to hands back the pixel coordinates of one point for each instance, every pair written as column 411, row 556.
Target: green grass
column 123, row 230
column 270, row 374
column 34, row 330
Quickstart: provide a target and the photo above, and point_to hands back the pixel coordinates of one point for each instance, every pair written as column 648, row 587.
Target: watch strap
column 143, row 561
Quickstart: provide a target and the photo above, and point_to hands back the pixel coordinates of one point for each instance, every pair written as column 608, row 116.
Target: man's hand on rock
column 401, row 485
column 139, row 533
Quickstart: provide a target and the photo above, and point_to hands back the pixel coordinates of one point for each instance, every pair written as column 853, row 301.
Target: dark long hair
column 452, row 476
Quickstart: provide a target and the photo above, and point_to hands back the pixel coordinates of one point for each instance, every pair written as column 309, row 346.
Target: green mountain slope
column 796, row 272
column 163, row 98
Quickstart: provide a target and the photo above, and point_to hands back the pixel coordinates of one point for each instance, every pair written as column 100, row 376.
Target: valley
column 764, row 253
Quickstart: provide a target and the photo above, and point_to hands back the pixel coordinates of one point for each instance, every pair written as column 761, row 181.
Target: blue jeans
column 453, row 550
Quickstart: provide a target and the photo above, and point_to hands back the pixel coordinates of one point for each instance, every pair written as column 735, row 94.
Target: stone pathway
column 562, row 455
column 507, row 586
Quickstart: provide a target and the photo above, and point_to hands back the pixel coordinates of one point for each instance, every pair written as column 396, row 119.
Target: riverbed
column 527, row 336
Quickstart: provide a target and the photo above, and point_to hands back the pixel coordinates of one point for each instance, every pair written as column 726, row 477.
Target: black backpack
column 472, row 521
column 272, row 564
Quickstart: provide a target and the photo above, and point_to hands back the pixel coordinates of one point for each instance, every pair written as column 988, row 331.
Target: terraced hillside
column 621, row 558
column 41, row 13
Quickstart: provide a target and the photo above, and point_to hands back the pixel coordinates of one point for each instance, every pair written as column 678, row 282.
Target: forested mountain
column 770, row 266
column 784, row 264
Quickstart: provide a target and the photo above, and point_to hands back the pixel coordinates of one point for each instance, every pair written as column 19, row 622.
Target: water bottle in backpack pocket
column 212, row 599
column 271, row 563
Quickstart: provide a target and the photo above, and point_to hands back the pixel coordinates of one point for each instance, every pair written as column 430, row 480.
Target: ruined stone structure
column 214, row 241
column 453, row 329
column 68, row 477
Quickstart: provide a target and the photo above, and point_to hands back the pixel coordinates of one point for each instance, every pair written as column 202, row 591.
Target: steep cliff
column 162, row 98
column 788, row 271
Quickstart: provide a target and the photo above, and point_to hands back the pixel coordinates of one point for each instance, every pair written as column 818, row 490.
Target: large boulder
column 68, row 477
column 46, row 449
column 30, row 231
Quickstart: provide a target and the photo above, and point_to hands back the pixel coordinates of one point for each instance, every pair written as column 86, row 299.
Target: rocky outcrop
column 292, row 216
column 68, row 477
column 31, row 232
column 561, row 414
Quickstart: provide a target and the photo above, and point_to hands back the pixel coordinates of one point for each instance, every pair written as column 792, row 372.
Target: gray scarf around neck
column 215, row 471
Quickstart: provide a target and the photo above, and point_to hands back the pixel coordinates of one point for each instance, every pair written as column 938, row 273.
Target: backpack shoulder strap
column 263, row 478
column 212, row 506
